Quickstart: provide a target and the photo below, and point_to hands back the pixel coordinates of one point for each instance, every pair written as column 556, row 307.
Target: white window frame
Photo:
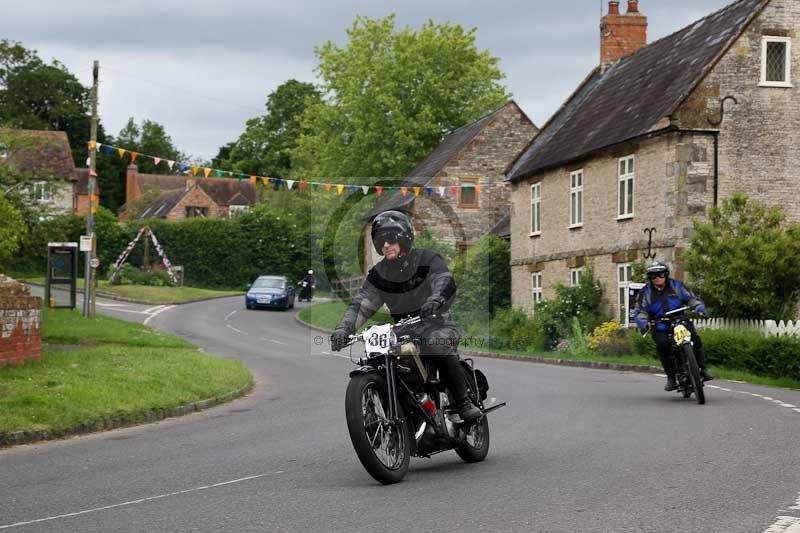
column 537, row 290
column 536, row 209
column 626, row 171
column 624, row 274
column 576, row 199
column 575, row 275
column 41, row 191
column 787, row 69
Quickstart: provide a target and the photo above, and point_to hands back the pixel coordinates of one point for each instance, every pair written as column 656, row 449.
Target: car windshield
column 268, row 283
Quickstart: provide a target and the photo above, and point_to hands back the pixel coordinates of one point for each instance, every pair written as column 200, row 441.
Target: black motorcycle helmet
column 392, row 226
column 657, row 267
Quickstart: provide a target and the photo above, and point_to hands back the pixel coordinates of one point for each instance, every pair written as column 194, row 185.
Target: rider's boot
column 669, row 369
column 705, row 375
column 700, row 353
column 671, row 383
column 454, row 375
column 467, row 410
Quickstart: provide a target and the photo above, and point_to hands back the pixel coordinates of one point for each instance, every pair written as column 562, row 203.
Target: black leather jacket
column 403, row 284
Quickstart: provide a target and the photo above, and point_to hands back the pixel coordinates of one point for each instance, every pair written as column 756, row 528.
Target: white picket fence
column 768, row 327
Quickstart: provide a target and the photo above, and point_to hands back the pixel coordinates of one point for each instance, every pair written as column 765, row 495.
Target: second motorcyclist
column 411, row 282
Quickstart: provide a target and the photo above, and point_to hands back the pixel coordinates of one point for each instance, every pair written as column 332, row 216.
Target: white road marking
column 149, row 311
column 785, row 524
column 135, row 502
column 273, row 340
column 796, row 506
column 155, row 314
column 737, row 381
column 798, row 410
column 231, row 314
column 100, row 304
column 234, row 329
column 756, row 395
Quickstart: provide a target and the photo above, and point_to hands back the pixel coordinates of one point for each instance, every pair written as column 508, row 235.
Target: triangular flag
column 92, row 172
column 441, row 191
column 353, row 189
column 314, row 186
column 91, row 145
column 108, row 149
column 264, row 180
column 133, row 156
column 303, row 185
column 365, row 189
column 195, row 168
column 477, row 189
column 170, row 164
column 121, row 151
column 428, row 191
column 289, row 184
column 277, row 182
column 379, row 190
column 218, row 173
column 206, row 171
column 454, row 189
column 404, row 190
column 327, row 187
column 417, row 191
column 156, row 161
column 339, row 189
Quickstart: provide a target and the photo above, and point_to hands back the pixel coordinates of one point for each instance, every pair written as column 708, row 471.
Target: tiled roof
column 39, row 152
column 221, row 190
column 635, row 94
column 429, row 167
column 163, row 204
column 502, row 227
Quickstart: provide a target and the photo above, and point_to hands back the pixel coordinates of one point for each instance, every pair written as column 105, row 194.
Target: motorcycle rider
column 411, row 282
column 661, row 295
column 310, row 280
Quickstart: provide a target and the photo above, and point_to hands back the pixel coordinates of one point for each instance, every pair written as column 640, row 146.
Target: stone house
column 178, row 197
column 643, row 143
column 44, row 158
column 458, row 191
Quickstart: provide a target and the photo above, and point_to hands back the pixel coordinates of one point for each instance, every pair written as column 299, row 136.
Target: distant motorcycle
column 306, row 291
column 396, row 406
column 688, row 371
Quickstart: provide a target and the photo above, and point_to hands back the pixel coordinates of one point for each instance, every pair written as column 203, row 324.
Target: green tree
column 483, row 277
column 38, row 96
column 11, row 229
column 265, row 148
column 148, row 138
column 391, row 95
column 745, row 261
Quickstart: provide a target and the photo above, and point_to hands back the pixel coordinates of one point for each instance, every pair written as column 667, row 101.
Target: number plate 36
column 378, row 339
column 681, row 334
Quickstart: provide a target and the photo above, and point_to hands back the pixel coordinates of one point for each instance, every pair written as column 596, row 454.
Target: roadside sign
column 94, row 263
column 86, row 243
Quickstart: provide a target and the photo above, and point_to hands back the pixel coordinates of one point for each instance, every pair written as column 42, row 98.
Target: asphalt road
column 574, row 450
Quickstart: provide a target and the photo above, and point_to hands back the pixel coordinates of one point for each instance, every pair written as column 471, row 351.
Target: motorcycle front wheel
column 382, row 446
column 475, row 441
column 694, row 374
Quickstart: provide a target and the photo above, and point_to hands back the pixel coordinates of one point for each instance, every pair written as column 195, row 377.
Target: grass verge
column 108, row 368
column 327, row 315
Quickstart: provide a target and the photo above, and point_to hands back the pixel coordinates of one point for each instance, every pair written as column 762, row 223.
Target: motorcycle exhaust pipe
column 420, row 431
column 494, row 408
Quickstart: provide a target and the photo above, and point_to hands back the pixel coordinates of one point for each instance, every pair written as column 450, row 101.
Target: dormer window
column 776, row 62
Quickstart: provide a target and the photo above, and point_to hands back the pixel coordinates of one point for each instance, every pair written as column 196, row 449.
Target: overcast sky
column 201, row 68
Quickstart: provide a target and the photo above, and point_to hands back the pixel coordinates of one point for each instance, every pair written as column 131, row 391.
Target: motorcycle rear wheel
column 475, row 443
column 384, row 448
column 694, row 374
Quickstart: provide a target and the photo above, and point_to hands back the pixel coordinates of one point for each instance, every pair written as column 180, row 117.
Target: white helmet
column 310, row 271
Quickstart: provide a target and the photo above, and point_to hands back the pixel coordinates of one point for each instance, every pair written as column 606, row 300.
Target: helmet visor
column 386, row 237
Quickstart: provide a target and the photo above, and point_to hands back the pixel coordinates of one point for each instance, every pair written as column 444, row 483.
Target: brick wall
column 20, row 320
column 197, row 197
column 622, row 34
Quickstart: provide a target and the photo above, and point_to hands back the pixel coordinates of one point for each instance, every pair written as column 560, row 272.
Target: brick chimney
column 132, row 191
column 621, row 35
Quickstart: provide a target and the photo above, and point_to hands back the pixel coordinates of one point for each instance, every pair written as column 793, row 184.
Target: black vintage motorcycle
column 687, row 370
column 397, row 407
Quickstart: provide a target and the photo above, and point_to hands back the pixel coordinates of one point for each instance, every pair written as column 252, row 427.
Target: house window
column 468, row 194
column 623, row 279
column 194, row 211
column 536, row 209
column 575, row 275
column 576, row 199
column 536, row 289
column 776, row 62
column 236, row 210
column 41, row 191
column 625, row 196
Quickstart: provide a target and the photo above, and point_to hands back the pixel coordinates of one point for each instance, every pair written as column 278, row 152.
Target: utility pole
column 89, row 281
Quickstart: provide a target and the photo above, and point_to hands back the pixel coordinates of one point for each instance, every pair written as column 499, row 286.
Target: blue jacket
column 650, row 303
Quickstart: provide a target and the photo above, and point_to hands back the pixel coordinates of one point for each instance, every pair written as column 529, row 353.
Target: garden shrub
column 512, row 329
column 130, row 275
column 754, row 352
column 609, row 338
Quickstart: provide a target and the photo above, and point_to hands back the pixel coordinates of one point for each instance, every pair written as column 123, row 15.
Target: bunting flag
column 206, row 171
column 218, row 173
column 327, row 187
column 91, row 145
column 477, row 189
column 195, row 168
column 428, row 191
column 404, row 190
column 156, row 161
column 108, row 149
column 454, row 189
column 441, row 191
column 379, row 190
column 365, row 189
column 92, row 172
column 339, row 189
column 133, row 157
column 417, row 191
column 121, row 151
column 315, row 186
column 353, row 189
column 289, row 184
column 303, row 185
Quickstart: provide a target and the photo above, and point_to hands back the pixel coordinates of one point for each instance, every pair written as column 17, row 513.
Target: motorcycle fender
column 361, row 370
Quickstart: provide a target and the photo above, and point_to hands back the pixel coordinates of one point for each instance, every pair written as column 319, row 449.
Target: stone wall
column 20, row 321
column 673, row 185
column 197, row 197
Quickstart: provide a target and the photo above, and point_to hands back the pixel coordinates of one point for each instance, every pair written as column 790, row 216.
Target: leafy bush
column 483, row 279
column 130, row 275
column 765, row 355
column 609, row 338
column 512, row 329
column 32, row 255
column 554, row 317
column 641, row 346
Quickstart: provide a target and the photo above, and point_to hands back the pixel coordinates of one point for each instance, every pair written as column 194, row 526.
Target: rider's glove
column 339, row 339
column 430, row 308
column 644, row 329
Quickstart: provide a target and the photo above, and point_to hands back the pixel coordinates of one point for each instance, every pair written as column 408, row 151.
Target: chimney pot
column 621, row 35
column 633, row 6
column 613, row 7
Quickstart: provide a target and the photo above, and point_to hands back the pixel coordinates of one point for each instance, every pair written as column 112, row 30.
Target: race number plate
column 681, row 334
column 378, row 339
